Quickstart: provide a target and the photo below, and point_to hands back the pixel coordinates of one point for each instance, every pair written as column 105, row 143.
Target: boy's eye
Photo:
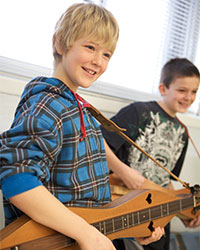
column 107, row 55
column 90, row 47
column 194, row 91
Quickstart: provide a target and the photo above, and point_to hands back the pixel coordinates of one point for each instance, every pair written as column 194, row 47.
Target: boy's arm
column 131, row 178
column 40, row 205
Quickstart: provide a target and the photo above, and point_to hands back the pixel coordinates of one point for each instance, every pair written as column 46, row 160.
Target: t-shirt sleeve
column 179, row 164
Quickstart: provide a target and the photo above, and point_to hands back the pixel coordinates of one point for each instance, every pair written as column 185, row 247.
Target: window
column 151, row 32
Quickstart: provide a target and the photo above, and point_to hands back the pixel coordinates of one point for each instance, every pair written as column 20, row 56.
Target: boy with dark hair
column 156, row 129
column 54, row 155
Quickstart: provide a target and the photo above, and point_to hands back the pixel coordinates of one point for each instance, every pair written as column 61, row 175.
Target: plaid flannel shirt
column 45, row 140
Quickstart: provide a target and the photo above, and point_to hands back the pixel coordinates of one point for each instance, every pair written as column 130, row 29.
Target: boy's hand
column 92, row 239
column 192, row 223
column 156, row 235
column 132, row 178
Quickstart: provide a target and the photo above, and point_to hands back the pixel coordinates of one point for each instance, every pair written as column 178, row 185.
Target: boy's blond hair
column 86, row 21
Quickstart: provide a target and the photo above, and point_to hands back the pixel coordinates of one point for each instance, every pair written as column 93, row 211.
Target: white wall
column 11, row 87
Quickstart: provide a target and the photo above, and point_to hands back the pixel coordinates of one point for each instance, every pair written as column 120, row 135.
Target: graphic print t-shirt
column 157, row 133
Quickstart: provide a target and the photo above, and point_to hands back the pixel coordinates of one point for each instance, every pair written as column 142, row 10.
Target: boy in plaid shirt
column 54, row 154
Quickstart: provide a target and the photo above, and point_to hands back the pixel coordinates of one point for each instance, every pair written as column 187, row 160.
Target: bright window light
column 27, row 28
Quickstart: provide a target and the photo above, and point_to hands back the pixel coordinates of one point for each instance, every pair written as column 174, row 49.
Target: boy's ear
column 56, row 44
column 162, row 88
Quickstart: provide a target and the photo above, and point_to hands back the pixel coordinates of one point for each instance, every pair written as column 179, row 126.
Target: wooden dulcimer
column 118, row 189
column 134, row 214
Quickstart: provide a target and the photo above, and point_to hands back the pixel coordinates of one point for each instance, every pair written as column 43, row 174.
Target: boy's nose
column 97, row 60
column 188, row 96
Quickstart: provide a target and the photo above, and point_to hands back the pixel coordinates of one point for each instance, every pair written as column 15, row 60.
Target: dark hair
column 177, row 68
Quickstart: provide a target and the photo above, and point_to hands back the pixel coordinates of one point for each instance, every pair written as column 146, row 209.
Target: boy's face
column 83, row 64
column 180, row 94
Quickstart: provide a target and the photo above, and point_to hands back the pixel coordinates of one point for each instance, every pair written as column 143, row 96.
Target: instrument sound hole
column 150, row 227
column 148, row 199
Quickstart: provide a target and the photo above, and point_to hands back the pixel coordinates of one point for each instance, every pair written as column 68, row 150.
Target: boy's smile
column 83, row 64
column 180, row 95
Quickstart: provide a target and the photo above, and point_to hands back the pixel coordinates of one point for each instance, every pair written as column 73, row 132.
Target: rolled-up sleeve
column 27, row 151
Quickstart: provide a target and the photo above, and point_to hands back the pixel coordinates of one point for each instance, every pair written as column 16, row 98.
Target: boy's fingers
column 156, row 235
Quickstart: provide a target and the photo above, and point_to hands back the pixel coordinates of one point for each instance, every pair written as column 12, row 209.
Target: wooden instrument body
column 118, row 189
column 125, row 212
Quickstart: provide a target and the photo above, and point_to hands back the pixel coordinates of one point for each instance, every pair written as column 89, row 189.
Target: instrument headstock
column 195, row 190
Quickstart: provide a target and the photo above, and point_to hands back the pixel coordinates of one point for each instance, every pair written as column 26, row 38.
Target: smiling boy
column 83, row 64
column 178, row 95
column 54, row 154
column 155, row 128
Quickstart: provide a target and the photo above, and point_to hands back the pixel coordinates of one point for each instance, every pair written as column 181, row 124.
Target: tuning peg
column 195, row 189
